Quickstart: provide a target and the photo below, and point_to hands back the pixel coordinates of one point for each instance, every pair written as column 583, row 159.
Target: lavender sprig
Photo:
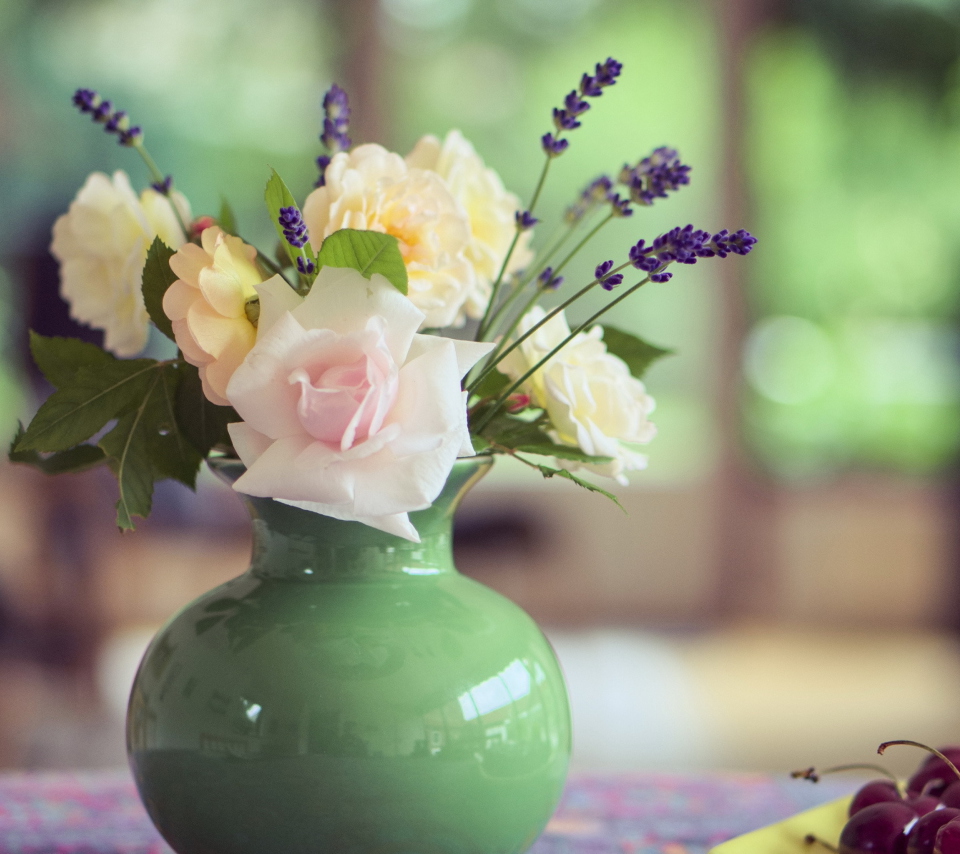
column 594, row 193
column 336, row 123
column 548, row 280
column 608, row 281
column 294, row 228
column 654, row 176
column 113, row 121
column 574, row 105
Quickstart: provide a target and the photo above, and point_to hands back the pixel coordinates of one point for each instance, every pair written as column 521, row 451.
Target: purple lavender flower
column 608, row 72
column 574, row 104
column 323, row 161
column 305, row 266
column 653, row 176
column 553, row 146
column 661, row 277
column 548, row 281
column 619, row 207
column 336, row 122
column 294, row 228
column 562, row 120
column 163, row 187
column 525, row 220
column 686, row 246
column 607, row 282
column 102, row 112
column 595, row 192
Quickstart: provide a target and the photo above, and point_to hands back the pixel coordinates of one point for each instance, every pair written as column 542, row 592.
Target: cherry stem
column 813, row 775
column 810, row 839
column 929, row 749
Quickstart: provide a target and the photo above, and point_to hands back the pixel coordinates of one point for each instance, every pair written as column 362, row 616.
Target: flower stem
column 512, row 388
column 482, row 328
column 159, row 178
column 500, row 353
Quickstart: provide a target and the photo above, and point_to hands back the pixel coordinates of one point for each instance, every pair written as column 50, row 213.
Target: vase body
column 350, row 693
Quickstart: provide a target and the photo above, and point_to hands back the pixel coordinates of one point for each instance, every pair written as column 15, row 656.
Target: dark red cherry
column 923, row 804
column 951, row 795
column 923, row 835
column 934, row 768
column 948, row 839
column 878, row 829
column 874, row 792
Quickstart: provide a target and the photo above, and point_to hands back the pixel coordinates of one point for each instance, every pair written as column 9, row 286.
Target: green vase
column 350, row 693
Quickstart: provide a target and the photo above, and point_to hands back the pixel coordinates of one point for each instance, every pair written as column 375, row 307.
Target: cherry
column 948, row 839
column 923, row 804
column 875, row 792
column 951, row 795
column 878, row 829
column 923, row 835
column 934, row 768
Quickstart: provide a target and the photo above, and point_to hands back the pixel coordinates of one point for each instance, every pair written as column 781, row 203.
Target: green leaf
column 76, row 459
column 171, row 454
column 157, row 277
column 227, row 220
column 278, row 196
column 60, row 358
column 203, row 423
column 128, row 447
column 492, row 385
column 94, row 396
column 511, row 432
column 562, row 452
column 549, row 471
column 367, row 251
column 637, row 353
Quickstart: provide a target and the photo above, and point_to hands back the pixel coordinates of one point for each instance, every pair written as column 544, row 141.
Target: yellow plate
column 786, row 837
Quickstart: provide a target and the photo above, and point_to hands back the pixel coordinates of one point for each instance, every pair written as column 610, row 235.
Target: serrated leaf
column 227, row 220
column 492, row 385
column 637, row 353
column 76, row 459
column 368, row 252
column 59, row 359
column 277, row 196
column 127, row 446
column 157, row 277
column 549, row 471
column 562, row 452
column 94, row 396
column 203, row 423
column 171, row 454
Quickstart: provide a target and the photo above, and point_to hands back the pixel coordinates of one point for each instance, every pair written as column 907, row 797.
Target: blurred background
column 783, row 590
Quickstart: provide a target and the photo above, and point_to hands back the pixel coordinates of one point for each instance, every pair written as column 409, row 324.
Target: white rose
column 489, row 206
column 592, row 399
column 372, row 188
column 346, row 410
column 101, row 244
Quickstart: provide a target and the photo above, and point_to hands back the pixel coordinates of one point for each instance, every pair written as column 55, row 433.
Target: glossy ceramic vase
column 350, row 693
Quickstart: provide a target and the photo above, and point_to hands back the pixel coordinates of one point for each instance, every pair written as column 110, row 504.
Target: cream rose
column 372, row 188
column 207, row 306
column 592, row 399
column 101, row 244
column 490, row 208
column 346, row 410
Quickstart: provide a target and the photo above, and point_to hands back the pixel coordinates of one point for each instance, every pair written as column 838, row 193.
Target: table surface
column 99, row 812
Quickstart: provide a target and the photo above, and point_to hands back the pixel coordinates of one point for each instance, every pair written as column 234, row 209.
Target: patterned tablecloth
column 99, row 813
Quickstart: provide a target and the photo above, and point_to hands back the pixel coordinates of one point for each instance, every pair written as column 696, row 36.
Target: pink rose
column 346, row 410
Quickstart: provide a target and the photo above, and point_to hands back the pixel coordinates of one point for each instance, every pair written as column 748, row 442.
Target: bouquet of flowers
column 325, row 366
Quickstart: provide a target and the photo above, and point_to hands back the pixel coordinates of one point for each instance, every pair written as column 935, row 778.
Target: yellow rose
column 593, row 401
column 206, row 306
column 101, row 244
column 490, row 208
column 375, row 189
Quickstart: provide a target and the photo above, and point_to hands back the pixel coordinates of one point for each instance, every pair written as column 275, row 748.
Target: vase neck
column 299, row 545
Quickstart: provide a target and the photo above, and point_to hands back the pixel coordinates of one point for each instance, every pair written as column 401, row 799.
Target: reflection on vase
column 351, row 693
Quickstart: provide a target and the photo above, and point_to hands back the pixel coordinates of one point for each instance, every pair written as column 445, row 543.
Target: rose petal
column 249, row 444
column 276, row 297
